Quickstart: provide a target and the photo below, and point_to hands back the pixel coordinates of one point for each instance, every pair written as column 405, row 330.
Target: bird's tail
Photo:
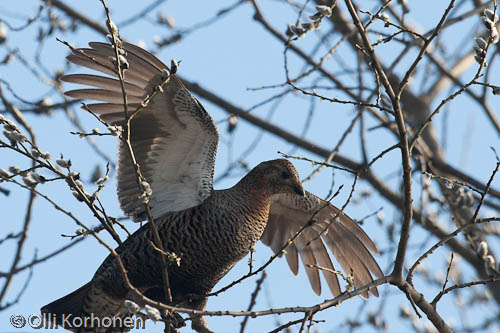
column 104, row 315
column 65, row 308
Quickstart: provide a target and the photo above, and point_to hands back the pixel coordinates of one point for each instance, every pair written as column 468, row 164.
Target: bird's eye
column 285, row 175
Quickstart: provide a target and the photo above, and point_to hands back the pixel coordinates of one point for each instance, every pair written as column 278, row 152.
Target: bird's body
column 209, row 240
column 175, row 141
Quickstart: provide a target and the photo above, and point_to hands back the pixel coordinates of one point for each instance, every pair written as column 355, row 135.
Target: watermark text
column 69, row 321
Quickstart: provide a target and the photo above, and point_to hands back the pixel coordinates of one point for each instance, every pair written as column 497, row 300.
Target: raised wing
column 345, row 239
column 173, row 138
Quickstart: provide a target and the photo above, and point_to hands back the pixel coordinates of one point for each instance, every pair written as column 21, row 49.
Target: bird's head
column 278, row 176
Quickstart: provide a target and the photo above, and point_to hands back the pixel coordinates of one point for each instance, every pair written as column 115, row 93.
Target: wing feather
column 103, row 64
column 292, row 257
column 323, row 260
column 110, row 108
column 346, row 240
column 173, row 138
column 141, row 66
column 276, row 236
column 353, row 227
column 309, row 261
column 143, row 54
column 101, row 95
column 104, row 83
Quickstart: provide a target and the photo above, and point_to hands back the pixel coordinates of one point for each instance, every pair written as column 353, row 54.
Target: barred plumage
column 175, row 143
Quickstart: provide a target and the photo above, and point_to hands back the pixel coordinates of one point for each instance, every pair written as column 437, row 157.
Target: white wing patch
column 186, row 177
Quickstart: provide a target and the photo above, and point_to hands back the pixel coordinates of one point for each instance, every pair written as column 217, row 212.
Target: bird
column 174, row 140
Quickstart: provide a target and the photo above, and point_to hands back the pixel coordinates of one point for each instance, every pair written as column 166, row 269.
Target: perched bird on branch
column 174, row 141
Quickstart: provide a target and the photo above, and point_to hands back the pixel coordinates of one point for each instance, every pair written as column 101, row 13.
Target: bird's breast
column 217, row 237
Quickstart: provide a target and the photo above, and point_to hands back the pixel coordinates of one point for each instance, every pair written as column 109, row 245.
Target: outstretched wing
column 346, row 240
column 173, row 138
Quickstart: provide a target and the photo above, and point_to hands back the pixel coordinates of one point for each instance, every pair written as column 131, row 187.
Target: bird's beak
column 299, row 190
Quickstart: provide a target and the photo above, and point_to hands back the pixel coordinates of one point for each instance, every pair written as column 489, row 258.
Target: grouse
column 175, row 140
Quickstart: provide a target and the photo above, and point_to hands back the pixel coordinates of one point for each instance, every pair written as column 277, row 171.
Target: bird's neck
column 252, row 188
column 251, row 198
column 252, row 210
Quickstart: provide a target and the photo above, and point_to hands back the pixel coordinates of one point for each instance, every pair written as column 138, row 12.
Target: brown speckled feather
column 174, row 132
column 345, row 239
column 175, row 142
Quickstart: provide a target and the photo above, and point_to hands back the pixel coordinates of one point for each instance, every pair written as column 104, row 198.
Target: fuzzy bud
column 480, row 52
column 491, row 15
column 14, row 137
column 482, row 250
column 316, row 17
column 14, row 169
column 489, row 264
column 63, row 163
column 79, row 184
column 147, row 188
column 308, row 26
column 468, row 199
column 174, row 66
column 10, row 125
column 480, row 42
column 156, row 88
column 131, row 306
column 232, row 122
column 488, row 24
column 30, row 182
column 494, row 36
column 123, row 62
column 324, row 10
column 73, row 174
column 115, row 129
column 480, row 60
column 112, row 27
column 81, row 232
column 386, row 20
column 92, row 196
column 35, row 153
column 3, row 33
column 164, row 74
column 77, row 196
column 38, row 177
column 170, row 21
column 80, row 198
column 100, row 182
column 146, row 193
column 4, row 174
column 46, row 101
column 297, row 29
column 153, row 313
